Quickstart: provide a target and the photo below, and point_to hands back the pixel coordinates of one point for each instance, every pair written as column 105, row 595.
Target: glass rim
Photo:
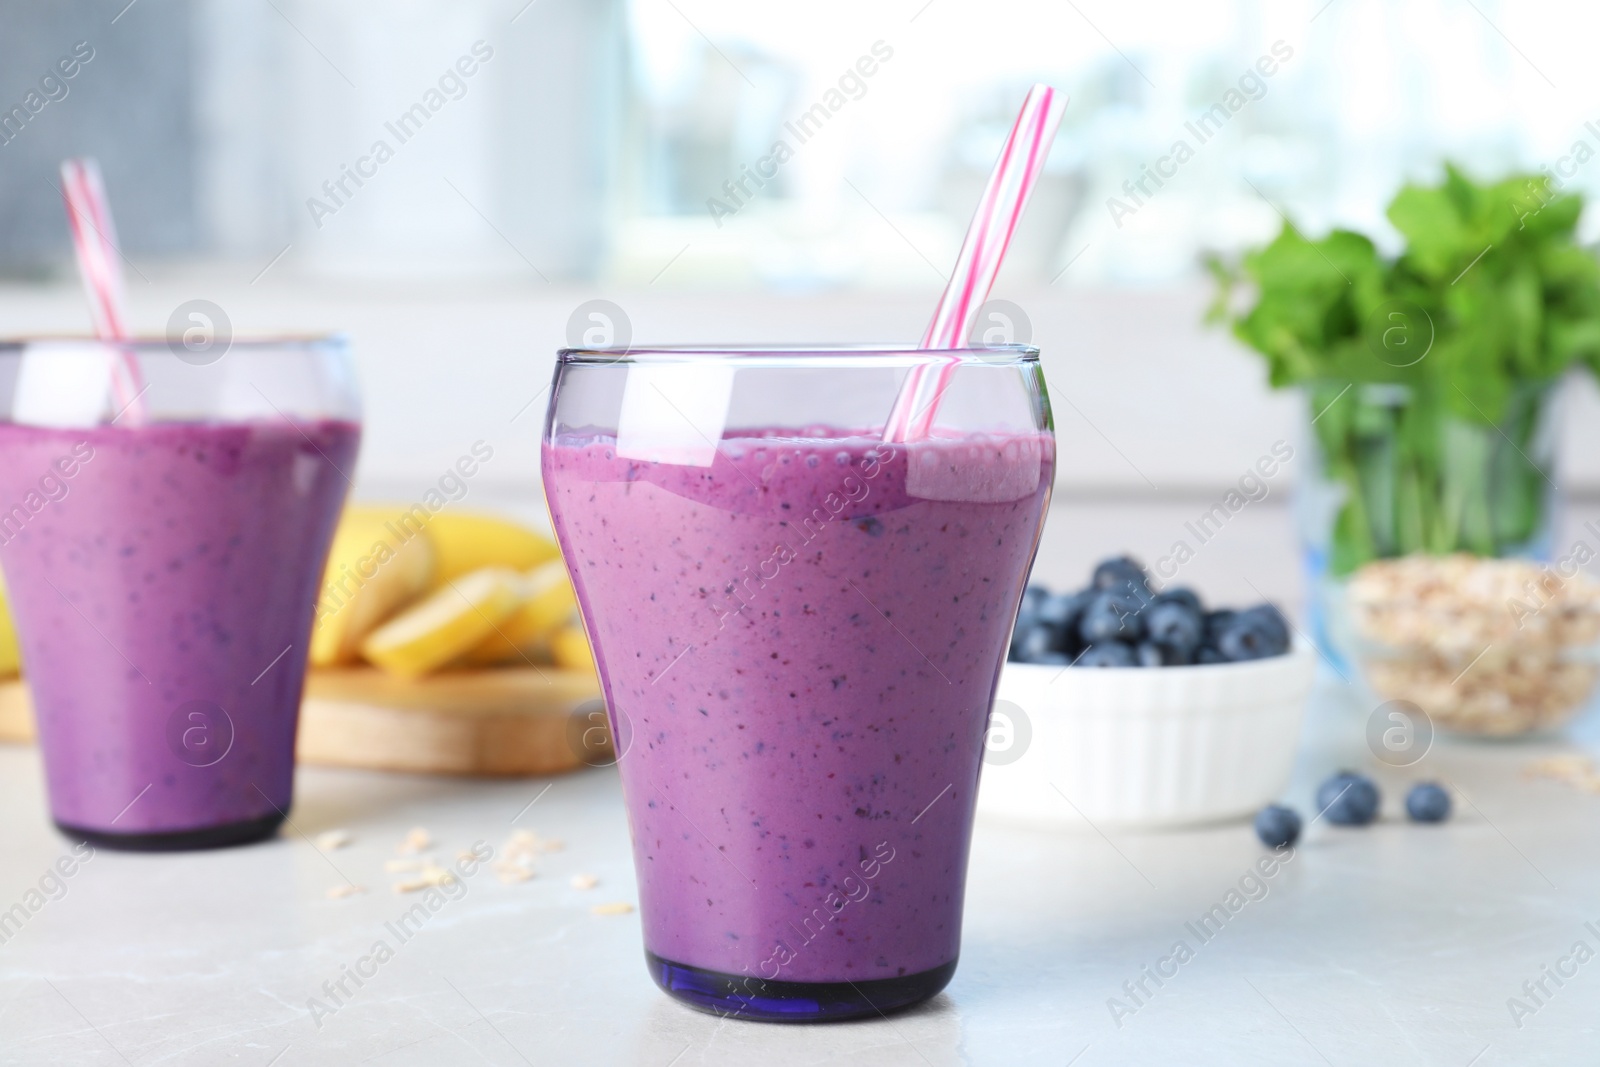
column 855, row 355
column 164, row 344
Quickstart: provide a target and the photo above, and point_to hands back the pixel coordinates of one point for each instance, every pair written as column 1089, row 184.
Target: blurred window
column 1192, row 125
column 716, row 144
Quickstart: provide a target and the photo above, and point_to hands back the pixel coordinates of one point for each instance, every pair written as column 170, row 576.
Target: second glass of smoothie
column 799, row 627
column 163, row 557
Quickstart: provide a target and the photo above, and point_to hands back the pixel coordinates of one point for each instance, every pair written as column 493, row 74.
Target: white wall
column 1149, row 403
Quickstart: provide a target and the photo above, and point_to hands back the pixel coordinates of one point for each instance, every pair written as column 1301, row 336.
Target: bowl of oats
column 1489, row 647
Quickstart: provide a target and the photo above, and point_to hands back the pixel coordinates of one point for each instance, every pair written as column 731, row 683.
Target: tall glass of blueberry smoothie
column 163, row 555
column 799, row 626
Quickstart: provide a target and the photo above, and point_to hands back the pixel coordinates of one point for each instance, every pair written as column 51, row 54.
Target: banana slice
column 526, row 634
column 10, row 657
column 468, row 541
column 375, row 567
column 447, row 623
column 570, row 647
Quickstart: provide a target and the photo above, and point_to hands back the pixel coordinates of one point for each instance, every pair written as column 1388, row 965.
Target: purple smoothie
column 163, row 579
column 800, row 644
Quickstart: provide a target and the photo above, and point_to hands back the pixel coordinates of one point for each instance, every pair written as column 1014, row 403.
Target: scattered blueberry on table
column 1277, row 826
column 1348, row 799
column 1118, row 620
column 1428, row 802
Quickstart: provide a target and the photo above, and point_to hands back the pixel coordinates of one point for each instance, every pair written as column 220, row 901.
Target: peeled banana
column 467, row 541
column 10, row 656
column 447, row 623
column 375, row 568
column 524, row 636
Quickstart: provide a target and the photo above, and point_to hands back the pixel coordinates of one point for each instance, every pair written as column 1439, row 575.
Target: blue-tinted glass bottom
column 236, row 833
column 766, row 1000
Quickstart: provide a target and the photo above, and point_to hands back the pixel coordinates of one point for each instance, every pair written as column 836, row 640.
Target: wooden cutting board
column 507, row 721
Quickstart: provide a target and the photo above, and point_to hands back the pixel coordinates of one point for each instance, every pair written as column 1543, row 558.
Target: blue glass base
column 765, row 1000
column 226, row 836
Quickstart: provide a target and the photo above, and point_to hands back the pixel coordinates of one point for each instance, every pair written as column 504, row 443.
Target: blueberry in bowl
column 1064, row 611
column 1254, row 633
column 1039, row 645
column 1176, row 628
column 1180, row 594
column 1112, row 615
column 1146, row 706
column 1121, row 574
column 1108, row 654
column 1151, row 654
column 1047, row 628
column 1033, row 599
column 1161, row 628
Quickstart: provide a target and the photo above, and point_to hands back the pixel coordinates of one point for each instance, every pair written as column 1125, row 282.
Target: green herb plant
column 1428, row 374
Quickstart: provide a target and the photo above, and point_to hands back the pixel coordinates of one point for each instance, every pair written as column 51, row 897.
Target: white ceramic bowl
column 1144, row 747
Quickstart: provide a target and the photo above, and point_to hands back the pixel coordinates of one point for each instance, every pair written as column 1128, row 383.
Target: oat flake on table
column 510, row 873
column 418, row 840
column 432, row 875
column 329, row 840
column 1573, row 769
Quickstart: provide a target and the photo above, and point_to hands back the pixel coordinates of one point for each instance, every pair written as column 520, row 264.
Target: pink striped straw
column 988, row 237
column 94, row 238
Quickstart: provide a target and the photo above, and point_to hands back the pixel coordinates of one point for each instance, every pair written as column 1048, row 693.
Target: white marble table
column 1396, row 944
